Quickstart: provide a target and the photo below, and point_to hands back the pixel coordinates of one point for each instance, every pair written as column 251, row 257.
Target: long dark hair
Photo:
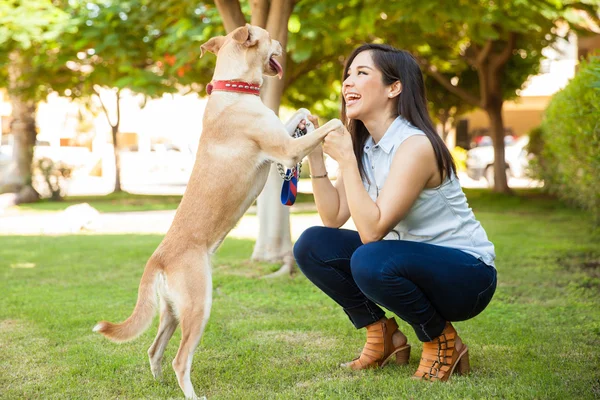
column 399, row 65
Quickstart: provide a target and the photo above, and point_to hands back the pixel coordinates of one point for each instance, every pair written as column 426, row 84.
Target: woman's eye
column 362, row 72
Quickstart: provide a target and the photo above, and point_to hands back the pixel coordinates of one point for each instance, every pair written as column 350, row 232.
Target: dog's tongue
column 275, row 64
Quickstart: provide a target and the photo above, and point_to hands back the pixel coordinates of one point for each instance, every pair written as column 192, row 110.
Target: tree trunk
column 115, row 131
column 444, row 123
column 23, row 130
column 115, row 134
column 494, row 112
column 274, row 243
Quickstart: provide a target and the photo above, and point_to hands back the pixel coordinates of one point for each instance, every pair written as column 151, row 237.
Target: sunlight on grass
column 23, row 265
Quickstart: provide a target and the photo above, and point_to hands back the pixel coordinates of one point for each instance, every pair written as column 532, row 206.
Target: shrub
column 55, row 175
column 569, row 162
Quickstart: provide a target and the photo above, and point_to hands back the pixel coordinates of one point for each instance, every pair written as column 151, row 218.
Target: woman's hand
column 339, row 147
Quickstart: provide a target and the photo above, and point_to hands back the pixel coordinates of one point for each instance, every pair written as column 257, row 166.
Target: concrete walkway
column 87, row 221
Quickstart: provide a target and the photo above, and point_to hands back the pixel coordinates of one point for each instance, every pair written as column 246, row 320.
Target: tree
column 29, row 50
column 112, row 51
column 274, row 238
column 445, row 107
column 500, row 41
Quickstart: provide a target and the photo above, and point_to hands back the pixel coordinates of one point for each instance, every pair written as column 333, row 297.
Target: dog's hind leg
column 168, row 324
column 193, row 285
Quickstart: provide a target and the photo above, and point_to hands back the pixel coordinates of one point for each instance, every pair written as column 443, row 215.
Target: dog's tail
column 144, row 310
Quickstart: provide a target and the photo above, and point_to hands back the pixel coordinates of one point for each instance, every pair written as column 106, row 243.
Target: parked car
column 480, row 160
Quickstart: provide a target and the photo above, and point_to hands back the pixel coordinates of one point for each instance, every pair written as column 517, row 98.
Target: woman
column 418, row 250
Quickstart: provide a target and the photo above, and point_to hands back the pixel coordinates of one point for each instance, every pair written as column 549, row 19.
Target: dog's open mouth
column 274, row 64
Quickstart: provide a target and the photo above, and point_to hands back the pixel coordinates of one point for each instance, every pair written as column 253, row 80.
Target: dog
column 241, row 137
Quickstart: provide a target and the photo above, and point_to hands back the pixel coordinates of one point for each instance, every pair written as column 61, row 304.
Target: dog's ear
column 243, row 35
column 213, row 45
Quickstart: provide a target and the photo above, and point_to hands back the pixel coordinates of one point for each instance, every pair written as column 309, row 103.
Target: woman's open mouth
column 352, row 99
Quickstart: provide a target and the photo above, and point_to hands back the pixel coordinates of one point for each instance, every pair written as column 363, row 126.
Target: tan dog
column 240, row 139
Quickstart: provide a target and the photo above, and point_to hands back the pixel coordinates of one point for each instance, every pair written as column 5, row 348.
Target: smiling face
column 364, row 93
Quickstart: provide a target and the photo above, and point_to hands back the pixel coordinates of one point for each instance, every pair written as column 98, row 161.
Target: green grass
column 121, row 202
column 283, row 339
column 114, row 202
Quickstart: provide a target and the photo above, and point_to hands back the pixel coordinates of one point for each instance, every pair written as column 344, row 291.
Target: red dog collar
column 233, row 86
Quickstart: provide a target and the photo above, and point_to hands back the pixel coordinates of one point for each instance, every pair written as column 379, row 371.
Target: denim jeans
column 425, row 285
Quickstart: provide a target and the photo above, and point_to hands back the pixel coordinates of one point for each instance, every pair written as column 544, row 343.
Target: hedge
column 569, row 140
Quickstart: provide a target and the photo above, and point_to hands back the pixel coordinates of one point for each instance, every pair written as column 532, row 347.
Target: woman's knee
column 307, row 243
column 366, row 266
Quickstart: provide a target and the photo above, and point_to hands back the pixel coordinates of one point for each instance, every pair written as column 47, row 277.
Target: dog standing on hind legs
column 240, row 138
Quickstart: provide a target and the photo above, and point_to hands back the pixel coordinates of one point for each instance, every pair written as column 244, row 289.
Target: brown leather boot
column 442, row 356
column 380, row 349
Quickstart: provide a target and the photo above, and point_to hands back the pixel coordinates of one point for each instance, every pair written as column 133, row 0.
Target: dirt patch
column 8, row 325
column 587, row 262
column 584, row 264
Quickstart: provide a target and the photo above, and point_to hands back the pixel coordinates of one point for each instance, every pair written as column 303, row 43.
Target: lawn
column 120, row 202
column 283, row 339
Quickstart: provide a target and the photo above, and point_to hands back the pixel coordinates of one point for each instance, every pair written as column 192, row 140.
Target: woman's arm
column 330, row 199
column 413, row 166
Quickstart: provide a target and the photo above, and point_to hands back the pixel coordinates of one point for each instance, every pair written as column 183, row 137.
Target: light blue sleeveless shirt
column 440, row 215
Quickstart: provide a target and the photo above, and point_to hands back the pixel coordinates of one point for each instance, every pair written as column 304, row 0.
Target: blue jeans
column 423, row 284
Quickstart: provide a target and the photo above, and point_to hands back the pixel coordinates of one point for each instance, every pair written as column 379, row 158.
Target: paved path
column 141, row 222
column 149, row 222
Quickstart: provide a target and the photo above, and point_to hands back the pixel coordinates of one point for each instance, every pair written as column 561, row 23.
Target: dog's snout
column 278, row 50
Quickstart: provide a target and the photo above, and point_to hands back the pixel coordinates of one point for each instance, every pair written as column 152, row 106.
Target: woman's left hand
column 339, row 147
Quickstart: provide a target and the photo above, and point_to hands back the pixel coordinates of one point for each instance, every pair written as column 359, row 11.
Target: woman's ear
column 395, row 89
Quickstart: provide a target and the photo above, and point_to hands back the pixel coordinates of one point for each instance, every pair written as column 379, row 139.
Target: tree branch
column 260, row 12
column 484, row 53
column 279, row 15
column 118, row 109
column 503, row 57
column 97, row 92
column 231, row 13
column 295, row 71
column 445, row 82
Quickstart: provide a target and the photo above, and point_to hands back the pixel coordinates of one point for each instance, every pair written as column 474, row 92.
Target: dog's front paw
column 335, row 125
column 304, row 112
column 292, row 123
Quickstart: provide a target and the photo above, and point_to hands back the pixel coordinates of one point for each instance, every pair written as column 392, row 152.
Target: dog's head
column 251, row 43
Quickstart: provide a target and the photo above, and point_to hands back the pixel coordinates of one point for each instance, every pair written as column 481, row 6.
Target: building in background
column 526, row 112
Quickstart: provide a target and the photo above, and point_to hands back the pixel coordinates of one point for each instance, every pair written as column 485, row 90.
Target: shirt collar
column 387, row 141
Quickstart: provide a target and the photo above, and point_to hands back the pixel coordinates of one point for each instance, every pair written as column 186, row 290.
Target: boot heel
column 403, row 356
column 464, row 367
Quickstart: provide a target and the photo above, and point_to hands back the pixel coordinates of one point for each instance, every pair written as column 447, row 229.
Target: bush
column 55, row 175
column 569, row 160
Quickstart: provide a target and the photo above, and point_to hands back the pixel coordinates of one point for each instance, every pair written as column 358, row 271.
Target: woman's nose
column 347, row 82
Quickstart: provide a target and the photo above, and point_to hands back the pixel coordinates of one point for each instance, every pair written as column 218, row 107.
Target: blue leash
column 289, row 190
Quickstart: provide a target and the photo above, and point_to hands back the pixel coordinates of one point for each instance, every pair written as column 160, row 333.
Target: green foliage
column 570, row 159
column 30, row 33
